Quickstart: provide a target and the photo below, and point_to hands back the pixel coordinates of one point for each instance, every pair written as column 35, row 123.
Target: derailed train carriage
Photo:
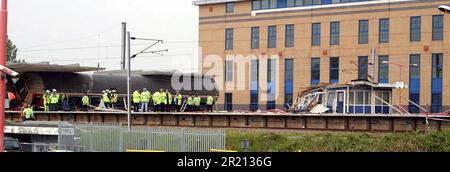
column 74, row 81
column 358, row 97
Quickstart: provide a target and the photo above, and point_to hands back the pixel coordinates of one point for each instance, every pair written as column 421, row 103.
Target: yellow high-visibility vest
column 136, row 97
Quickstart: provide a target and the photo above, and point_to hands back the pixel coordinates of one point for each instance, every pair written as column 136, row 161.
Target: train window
column 331, row 99
column 367, row 98
column 351, row 98
column 359, row 97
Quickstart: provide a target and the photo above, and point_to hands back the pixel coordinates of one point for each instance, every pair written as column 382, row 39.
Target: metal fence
column 116, row 138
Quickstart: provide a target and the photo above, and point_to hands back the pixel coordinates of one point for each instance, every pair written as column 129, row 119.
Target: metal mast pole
column 124, row 44
column 3, row 50
column 129, row 82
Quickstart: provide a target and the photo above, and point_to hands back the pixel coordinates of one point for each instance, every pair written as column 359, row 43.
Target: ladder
column 183, row 106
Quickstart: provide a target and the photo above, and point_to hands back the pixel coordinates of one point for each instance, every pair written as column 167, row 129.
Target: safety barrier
column 116, row 138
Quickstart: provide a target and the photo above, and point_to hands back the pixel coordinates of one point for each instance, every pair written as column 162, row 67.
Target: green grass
column 340, row 142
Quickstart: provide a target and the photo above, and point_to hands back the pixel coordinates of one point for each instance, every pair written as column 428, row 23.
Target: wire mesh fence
column 116, row 138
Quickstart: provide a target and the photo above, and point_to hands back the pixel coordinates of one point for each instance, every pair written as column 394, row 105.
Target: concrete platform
column 339, row 122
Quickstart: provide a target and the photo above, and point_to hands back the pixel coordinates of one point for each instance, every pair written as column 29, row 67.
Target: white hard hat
column 54, row 90
column 48, row 91
column 103, row 91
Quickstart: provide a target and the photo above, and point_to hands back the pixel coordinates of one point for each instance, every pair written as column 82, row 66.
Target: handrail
column 387, row 103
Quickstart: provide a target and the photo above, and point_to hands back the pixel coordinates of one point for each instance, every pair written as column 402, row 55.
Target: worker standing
column 46, row 98
column 210, row 102
column 64, row 101
column 28, row 113
column 145, row 98
column 114, row 98
column 136, row 100
column 155, row 99
column 54, row 99
column 178, row 101
column 190, row 103
column 197, row 101
column 106, row 99
column 163, row 99
column 85, row 101
column 169, row 101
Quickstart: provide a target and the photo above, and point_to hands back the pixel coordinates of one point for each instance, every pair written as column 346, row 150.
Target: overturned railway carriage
column 359, row 97
column 31, row 84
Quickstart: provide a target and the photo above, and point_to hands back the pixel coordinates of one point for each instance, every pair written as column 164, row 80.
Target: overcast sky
column 89, row 31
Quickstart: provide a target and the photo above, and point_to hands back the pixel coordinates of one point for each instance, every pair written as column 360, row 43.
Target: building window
column 334, row 33
column 384, row 31
column 289, row 34
column 230, row 7
column 414, row 82
column 290, row 3
column 362, row 67
column 271, row 4
column 271, row 83
column 288, row 81
column 254, row 79
column 228, row 39
column 415, row 28
column 436, row 83
column 315, row 71
column 272, row 41
column 255, row 37
column 265, row 4
column 228, row 102
column 363, row 32
column 334, row 69
column 315, row 39
column 438, row 27
column 256, row 5
column 383, row 69
column 228, row 70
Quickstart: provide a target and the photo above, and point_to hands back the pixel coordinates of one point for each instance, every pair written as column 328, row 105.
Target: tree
column 12, row 53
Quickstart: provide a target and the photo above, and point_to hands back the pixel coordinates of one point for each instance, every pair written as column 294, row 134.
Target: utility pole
column 156, row 41
column 129, row 82
column 124, row 45
column 3, row 50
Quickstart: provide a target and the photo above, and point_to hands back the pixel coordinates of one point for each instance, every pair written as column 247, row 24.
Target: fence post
column 91, row 138
column 182, row 140
column 121, row 139
column 149, row 139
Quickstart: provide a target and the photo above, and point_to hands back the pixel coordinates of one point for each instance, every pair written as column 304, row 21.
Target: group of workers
column 52, row 100
column 110, row 98
column 163, row 101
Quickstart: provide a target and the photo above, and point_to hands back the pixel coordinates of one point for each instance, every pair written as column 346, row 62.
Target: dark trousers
column 155, row 108
column 85, row 108
column 188, row 108
column 53, row 106
column 210, row 109
column 163, row 107
column 136, row 107
column 178, row 107
column 168, row 107
column 196, row 108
